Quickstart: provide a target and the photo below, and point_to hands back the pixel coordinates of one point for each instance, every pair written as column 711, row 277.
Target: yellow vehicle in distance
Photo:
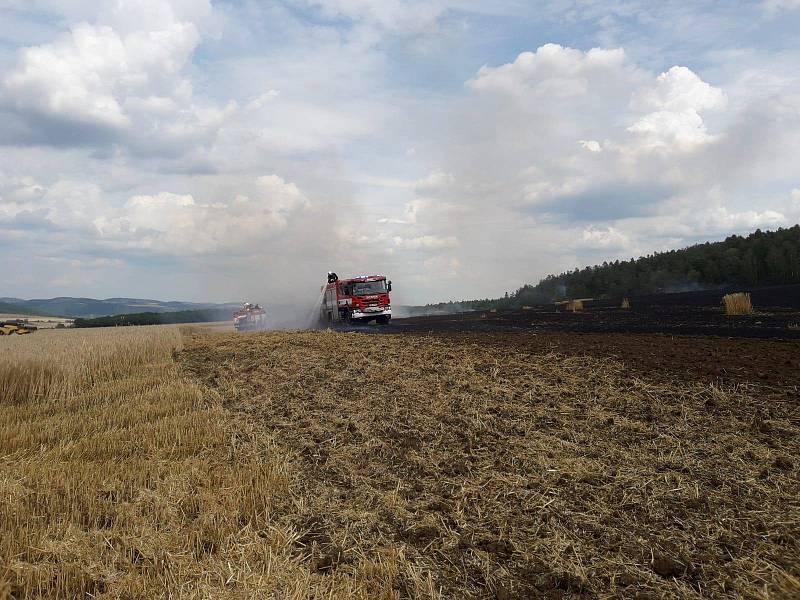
column 15, row 327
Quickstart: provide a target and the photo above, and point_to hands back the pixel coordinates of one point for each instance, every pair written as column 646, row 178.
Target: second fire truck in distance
column 250, row 317
column 359, row 299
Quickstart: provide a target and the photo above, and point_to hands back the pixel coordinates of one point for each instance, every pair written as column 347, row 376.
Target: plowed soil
column 519, row 466
column 668, row 319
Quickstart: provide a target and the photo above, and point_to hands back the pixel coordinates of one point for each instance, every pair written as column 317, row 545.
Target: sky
column 238, row 150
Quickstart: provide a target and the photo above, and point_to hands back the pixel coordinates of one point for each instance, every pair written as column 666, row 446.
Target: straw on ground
column 141, row 463
column 737, row 304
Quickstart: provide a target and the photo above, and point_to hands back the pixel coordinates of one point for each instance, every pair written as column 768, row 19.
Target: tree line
column 157, row 318
column 759, row 259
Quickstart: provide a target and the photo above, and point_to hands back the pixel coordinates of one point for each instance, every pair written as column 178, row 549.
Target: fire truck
column 360, row 299
column 249, row 318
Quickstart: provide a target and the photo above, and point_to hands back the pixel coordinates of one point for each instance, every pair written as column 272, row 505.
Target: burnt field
column 777, row 315
column 518, row 465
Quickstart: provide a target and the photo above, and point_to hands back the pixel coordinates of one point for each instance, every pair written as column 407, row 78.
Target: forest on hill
column 759, row 259
column 157, row 318
column 16, row 309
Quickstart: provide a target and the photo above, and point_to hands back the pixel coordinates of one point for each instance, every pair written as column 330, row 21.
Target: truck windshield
column 366, row 288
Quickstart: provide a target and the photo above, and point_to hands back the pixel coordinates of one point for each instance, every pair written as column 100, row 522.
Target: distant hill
column 763, row 258
column 15, row 309
column 90, row 307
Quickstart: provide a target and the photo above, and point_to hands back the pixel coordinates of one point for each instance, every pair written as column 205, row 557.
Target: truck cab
column 359, row 299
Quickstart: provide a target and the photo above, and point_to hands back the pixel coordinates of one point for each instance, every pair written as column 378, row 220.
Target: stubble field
column 327, row 465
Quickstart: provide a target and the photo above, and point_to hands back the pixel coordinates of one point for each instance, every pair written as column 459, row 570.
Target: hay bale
column 738, row 304
column 575, row 305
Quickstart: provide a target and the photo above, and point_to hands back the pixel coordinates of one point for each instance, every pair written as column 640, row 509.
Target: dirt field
column 774, row 364
column 144, row 462
column 669, row 319
column 518, row 466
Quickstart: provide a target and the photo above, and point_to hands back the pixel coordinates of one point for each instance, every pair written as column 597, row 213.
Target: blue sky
column 202, row 150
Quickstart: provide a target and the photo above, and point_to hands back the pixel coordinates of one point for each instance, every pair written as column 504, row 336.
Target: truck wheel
column 383, row 319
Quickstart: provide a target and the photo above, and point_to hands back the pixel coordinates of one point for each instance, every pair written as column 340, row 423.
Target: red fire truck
column 249, row 318
column 361, row 299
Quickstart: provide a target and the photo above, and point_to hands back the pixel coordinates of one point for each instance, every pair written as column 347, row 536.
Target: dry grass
column 494, row 472
column 123, row 478
column 265, row 466
column 50, row 365
column 738, row 304
column 626, row 303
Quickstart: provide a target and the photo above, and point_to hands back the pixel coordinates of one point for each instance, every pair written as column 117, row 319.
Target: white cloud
column 521, row 121
column 605, row 238
column 178, row 224
column 119, row 79
column 531, row 111
column 591, row 145
column 677, row 100
column 702, row 216
column 715, row 220
column 541, row 99
column 722, row 219
column 553, row 72
column 427, row 242
column 65, row 205
column 678, row 90
column 165, row 222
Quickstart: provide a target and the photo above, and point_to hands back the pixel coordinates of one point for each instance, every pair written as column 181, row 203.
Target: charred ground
column 776, row 316
column 516, row 465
